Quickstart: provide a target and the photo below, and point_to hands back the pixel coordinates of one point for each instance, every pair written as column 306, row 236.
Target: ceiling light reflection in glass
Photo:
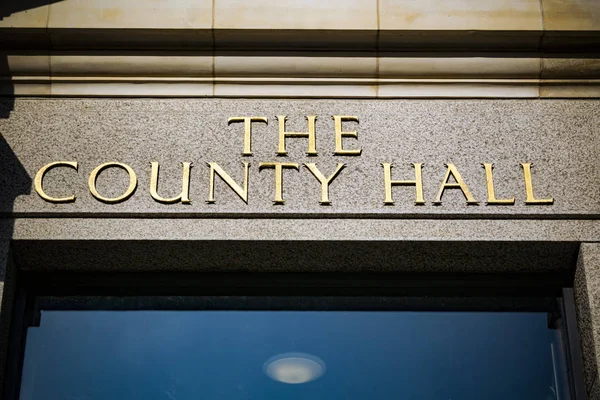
column 294, row 368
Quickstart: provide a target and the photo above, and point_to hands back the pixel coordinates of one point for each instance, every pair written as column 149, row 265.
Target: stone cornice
column 305, row 74
column 293, row 48
column 321, row 40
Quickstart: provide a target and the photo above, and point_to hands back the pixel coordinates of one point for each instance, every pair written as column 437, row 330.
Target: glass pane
column 307, row 355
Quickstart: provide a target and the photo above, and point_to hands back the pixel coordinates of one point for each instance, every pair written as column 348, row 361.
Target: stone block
column 27, row 64
column 139, row 64
column 571, row 15
column 570, row 68
column 296, row 14
column 131, row 14
column 462, row 15
column 307, row 65
column 587, row 298
column 17, row 14
column 413, row 65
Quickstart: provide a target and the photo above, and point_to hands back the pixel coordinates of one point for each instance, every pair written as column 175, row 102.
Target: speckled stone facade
column 559, row 137
column 356, row 233
column 587, row 285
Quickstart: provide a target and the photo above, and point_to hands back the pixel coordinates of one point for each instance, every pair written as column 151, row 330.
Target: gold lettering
column 489, row 179
column 247, row 130
column 39, row 178
column 339, row 150
column 184, row 197
column 278, row 177
column 325, row 182
column 388, row 182
column 130, row 190
column 530, row 199
column 460, row 184
column 216, row 169
column 312, row 141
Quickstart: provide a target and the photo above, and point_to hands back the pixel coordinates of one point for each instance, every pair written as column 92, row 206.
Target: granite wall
column 587, row 295
column 558, row 137
column 357, row 232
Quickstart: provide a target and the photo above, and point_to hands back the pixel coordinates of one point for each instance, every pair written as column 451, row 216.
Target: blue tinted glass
column 226, row 355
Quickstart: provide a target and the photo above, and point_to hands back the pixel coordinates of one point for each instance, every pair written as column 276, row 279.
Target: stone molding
column 470, row 15
column 301, row 48
column 304, row 75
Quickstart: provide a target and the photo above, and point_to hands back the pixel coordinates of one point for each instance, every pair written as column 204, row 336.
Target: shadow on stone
column 7, row 92
column 9, row 7
column 17, row 39
column 14, row 181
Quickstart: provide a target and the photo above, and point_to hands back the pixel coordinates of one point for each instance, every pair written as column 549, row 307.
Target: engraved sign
column 347, row 144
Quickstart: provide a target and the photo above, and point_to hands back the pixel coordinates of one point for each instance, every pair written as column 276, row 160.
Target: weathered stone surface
column 560, row 137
